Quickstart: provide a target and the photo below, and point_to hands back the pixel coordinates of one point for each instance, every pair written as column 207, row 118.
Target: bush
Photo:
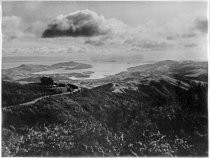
column 46, row 81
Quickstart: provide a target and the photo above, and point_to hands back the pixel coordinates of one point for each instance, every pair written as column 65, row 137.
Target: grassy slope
column 110, row 124
column 15, row 93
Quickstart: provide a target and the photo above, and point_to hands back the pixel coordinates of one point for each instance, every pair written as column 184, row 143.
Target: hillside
column 174, row 72
column 153, row 110
column 15, row 93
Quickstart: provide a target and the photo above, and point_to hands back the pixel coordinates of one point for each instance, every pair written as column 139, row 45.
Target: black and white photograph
column 104, row 78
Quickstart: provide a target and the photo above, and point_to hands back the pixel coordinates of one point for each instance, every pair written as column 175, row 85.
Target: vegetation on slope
column 98, row 122
column 15, row 93
column 153, row 113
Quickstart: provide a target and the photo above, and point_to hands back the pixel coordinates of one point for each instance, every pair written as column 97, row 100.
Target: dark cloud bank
column 80, row 23
column 201, row 24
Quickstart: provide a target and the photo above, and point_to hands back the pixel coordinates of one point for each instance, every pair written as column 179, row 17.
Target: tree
column 47, row 81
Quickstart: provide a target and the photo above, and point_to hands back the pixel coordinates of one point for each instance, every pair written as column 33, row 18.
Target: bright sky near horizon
column 171, row 30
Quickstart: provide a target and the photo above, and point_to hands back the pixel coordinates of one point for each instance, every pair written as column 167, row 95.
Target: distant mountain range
column 27, row 70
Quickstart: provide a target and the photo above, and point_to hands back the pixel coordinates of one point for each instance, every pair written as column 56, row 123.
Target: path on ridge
column 40, row 98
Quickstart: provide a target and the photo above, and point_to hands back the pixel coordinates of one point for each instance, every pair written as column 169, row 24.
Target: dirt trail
column 40, row 98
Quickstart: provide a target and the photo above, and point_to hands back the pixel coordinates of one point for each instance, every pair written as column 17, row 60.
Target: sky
column 106, row 30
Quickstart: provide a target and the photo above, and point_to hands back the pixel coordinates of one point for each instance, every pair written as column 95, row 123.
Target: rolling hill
column 157, row 109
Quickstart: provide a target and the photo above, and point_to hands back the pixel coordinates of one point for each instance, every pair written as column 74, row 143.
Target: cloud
column 190, row 29
column 10, row 22
column 74, row 49
column 126, row 57
column 179, row 33
column 148, row 44
column 190, row 45
column 152, row 45
column 41, row 49
column 94, row 42
column 183, row 35
column 36, row 28
column 201, row 24
column 82, row 23
column 31, row 6
column 13, row 27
